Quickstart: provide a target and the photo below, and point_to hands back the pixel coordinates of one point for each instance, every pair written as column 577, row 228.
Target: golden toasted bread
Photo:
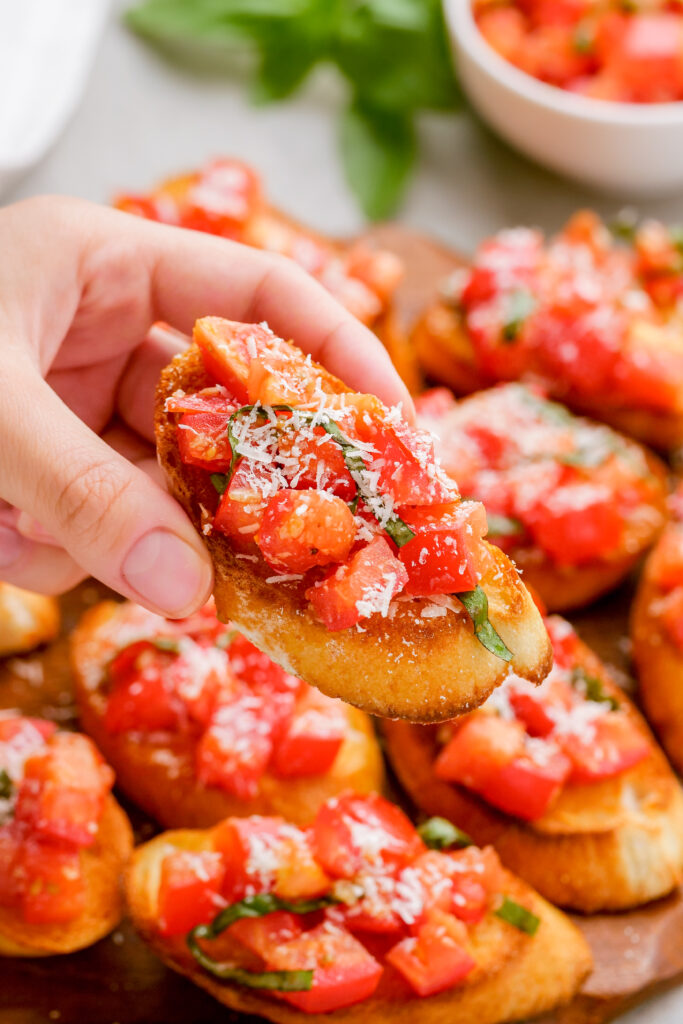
column 26, row 620
column 103, row 865
column 157, row 771
column 423, row 668
column 608, row 845
column 519, row 975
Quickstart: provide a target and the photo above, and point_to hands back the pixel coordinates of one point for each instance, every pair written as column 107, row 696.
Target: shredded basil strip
column 166, row 643
column 502, row 526
column 518, row 916
column 593, row 688
column 519, row 305
column 6, row 785
column 220, row 482
column 476, row 604
column 441, row 834
column 250, row 907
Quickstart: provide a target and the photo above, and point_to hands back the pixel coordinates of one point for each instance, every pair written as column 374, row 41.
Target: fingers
column 135, row 399
column 113, row 521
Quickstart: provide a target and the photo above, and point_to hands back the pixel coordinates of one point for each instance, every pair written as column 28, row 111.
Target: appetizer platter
column 297, row 880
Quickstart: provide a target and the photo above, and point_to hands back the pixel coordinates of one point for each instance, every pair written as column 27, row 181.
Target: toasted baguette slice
column 420, row 668
column 157, row 772
column 522, row 975
column 26, row 620
column 103, row 866
column 609, row 845
column 658, row 660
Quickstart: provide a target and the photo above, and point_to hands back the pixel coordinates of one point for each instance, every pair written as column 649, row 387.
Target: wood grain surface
column 119, row 982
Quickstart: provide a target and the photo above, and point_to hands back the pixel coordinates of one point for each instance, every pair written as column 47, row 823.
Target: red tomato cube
column 610, row 745
column 235, row 750
column 436, row 959
column 203, row 440
column 312, row 739
column 303, row 529
column 446, row 555
column 53, row 891
column 189, row 890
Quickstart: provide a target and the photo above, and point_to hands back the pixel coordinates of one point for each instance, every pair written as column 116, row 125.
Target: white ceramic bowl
column 628, row 148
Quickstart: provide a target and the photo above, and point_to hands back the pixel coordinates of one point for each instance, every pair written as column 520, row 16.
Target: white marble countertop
column 142, row 120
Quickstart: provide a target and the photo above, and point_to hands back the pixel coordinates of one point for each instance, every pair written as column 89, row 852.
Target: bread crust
column 158, row 774
column 103, row 866
column 26, row 620
column 659, row 665
column 523, row 976
column 383, row 669
column 611, row 845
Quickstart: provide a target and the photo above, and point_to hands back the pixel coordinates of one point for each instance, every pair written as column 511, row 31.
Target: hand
column 79, row 287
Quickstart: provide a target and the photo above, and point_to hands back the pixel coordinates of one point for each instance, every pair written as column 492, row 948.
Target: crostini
column 225, row 197
column 340, row 547
column 356, row 917
column 64, row 841
column 657, row 635
column 26, row 620
column 565, row 780
column 595, row 320
column 572, row 502
column 199, row 725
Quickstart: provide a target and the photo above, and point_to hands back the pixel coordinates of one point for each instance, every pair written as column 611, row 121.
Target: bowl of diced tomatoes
column 591, row 90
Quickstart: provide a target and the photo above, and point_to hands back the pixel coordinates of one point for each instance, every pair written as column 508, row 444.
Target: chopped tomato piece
column 607, row 747
column 227, row 350
column 203, row 440
column 246, row 846
column 142, row 696
column 242, row 505
column 313, row 738
column 564, row 640
column 25, row 730
column 435, row 403
column 302, row 529
column 314, row 460
column 366, row 584
column 436, row 958
column 345, row 973
column 446, row 555
column 53, row 891
column 350, row 832
column 222, row 199
column 491, row 756
column 263, row 934
column 576, row 525
column 537, row 706
column 211, row 400
column 403, row 458
column 235, row 750
column 189, row 890
column 259, row 671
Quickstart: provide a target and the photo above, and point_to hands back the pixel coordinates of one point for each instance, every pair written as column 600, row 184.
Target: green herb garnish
column 166, row 643
column 592, row 688
column 440, row 834
column 518, row 916
column 476, row 604
column 393, row 55
column 6, row 785
column 249, row 907
column 519, row 305
column 219, row 481
column 624, row 226
column 503, row 526
column 584, row 38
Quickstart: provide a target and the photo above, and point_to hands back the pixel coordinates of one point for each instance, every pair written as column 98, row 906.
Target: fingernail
column 167, row 573
column 12, row 546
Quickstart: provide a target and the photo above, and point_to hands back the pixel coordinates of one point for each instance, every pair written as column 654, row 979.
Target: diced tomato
column 202, row 678
column 577, row 524
column 315, row 461
column 226, row 194
column 53, row 890
column 436, row 958
column 345, row 973
column 26, row 730
column 351, row 832
column 313, row 738
column 648, row 60
column 504, row 29
column 63, row 790
column 259, row 671
column 649, row 375
column 142, row 696
column 535, row 706
column 142, row 206
column 189, row 890
column 227, row 348
column 489, row 755
column 303, row 529
column 235, row 750
column 379, row 269
column 242, row 505
column 263, row 934
column 203, row 441
column 209, row 400
column 446, row 555
column 610, row 745
column 369, row 580
column 480, row 287
column 403, row 458
column 435, row 403
column 564, row 640
column 298, row 875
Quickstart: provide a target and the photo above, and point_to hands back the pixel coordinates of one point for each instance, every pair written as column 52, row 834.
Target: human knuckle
column 88, row 500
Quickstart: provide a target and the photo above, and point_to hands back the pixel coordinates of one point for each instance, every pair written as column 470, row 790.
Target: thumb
column 111, row 518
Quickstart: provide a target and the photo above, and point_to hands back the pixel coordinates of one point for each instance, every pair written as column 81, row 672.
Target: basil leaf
column 625, row 225
column 219, row 481
column 166, row 643
column 592, row 688
column 275, row 981
column 519, row 305
column 584, row 38
column 518, row 916
column 476, row 604
column 378, row 152
column 503, row 526
column 399, row 531
column 6, row 785
column 441, row 834
column 258, row 906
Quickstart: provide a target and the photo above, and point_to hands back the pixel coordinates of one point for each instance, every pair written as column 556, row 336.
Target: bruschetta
column 595, row 320
column 572, row 502
column 356, row 918
column 565, row 780
column 340, row 547
column 225, row 197
column 198, row 724
column 657, row 635
column 64, row 841
column 26, row 620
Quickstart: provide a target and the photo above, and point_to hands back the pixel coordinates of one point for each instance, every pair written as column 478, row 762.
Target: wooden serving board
column 118, row 981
